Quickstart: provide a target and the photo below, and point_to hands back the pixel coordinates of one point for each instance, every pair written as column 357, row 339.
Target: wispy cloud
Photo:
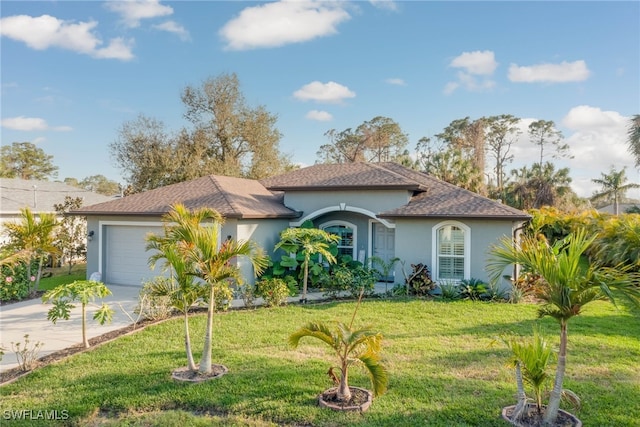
column 44, row 32
column 133, row 11
column 330, row 92
column 563, row 72
column 320, row 116
column 475, row 71
column 396, row 82
column 283, row 22
column 31, row 124
column 385, row 4
column 175, row 28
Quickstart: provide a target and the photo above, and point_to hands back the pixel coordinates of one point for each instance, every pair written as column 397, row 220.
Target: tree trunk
column 205, row 361
column 554, row 399
column 85, row 341
column 518, row 412
column 304, row 281
column 187, row 343
column 344, row 393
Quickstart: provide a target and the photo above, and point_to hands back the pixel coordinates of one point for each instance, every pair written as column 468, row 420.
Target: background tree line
column 225, row 136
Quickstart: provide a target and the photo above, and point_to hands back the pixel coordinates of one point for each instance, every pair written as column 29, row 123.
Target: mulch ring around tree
column 360, row 400
column 533, row 418
column 187, row 375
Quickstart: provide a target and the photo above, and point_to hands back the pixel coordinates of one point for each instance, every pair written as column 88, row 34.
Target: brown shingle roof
column 431, row 197
column 231, row 197
column 343, row 176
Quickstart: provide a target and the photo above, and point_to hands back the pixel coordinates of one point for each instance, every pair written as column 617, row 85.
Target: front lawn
column 443, row 370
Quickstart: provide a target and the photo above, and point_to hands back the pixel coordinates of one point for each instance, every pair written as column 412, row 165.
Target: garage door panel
column 126, row 260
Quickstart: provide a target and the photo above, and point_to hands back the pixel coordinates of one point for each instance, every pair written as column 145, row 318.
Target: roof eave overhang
column 450, row 216
column 418, row 188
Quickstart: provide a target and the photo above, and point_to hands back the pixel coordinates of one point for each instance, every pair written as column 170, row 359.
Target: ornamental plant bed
column 533, row 418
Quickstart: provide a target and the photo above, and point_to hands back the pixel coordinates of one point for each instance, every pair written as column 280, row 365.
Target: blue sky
column 73, row 72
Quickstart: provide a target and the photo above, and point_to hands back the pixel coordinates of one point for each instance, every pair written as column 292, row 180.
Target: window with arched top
column 451, row 251
column 347, row 233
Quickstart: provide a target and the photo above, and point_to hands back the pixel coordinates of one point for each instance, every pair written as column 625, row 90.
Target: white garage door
column 126, row 261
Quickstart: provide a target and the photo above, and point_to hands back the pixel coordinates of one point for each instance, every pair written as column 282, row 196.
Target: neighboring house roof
column 622, row 207
column 231, row 197
column 40, row 196
column 431, row 197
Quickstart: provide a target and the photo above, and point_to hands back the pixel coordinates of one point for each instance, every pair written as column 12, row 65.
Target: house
column 381, row 209
column 39, row 196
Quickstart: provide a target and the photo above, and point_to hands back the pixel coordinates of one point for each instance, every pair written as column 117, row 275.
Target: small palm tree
column 309, row 241
column 634, row 138
column 351, row 346
column 33, row 237
column 569, row 282
column 530, row 359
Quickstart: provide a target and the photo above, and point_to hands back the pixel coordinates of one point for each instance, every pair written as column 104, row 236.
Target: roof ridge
column 223, row 192
column 382, row 165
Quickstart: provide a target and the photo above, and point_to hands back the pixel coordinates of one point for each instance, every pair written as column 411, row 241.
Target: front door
column 384, row 245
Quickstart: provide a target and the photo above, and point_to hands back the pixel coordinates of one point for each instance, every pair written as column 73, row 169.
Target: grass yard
column 443, row 371
column 61, row 276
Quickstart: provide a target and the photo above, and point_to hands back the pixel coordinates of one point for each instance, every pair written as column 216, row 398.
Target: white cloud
column 477, row 62
column 476, row 67
column 281, row 23
column 597, row 146
column 584, row 117
column 396, row 81
column 330, row 92
column 31, row 124
column 175, row 28
column 46, row 31
column 563, row 72
column 133, row 11
column 321, row 116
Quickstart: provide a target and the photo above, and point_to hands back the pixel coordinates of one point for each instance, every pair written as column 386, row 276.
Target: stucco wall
column 414, row 243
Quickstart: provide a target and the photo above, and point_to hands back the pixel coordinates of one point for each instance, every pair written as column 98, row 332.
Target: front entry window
column 347, row 237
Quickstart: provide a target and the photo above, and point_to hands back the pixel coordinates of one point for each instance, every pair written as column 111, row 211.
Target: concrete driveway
column 30, row 317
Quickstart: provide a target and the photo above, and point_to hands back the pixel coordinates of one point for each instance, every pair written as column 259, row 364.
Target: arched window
column 451, row 247
column 347, row 233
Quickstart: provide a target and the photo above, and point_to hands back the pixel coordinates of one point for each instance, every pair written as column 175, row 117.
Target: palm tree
column 212, row 263
column 33, row 237
column 351, row 346
column 182, row 289
column 308, row 241
column 568, row 284
column 613, row 186
column 634, row 138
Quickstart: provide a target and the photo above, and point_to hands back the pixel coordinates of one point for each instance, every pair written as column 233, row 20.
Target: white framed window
column 451, row 242
column 347, row 233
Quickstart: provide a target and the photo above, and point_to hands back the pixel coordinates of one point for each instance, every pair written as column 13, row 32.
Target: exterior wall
column 414, row 243
column 265, row 232
column 375, row 200
column 362, row 228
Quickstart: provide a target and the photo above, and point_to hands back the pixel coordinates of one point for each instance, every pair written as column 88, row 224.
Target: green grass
column 61, row 276
column 443, row 370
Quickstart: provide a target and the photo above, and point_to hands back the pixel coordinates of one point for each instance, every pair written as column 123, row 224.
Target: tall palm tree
column 568, row 284
column 211, row 262
column 34, row 238
column 182, row 289
column 613, row 186
column 634, row 138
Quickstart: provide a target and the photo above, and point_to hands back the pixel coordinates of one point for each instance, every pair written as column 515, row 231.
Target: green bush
column 351, row 277
column 273, row 290
column 15, row 282
column 474, row 290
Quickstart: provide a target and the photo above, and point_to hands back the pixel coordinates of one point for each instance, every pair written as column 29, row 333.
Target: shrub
column 449, row 291
column 273, row 290
column 152, row 306
column 352, row 277
column 247, row 294
column 15, row 282
column 419, row 281
column 474, row 290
